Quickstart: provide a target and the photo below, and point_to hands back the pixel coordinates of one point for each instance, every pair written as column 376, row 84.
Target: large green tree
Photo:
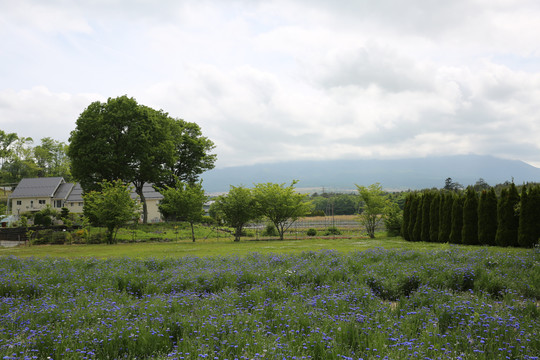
column 111, row 206
column 121, row 139
column 237, row 208
column 192, row 153
column 375, row 205
column 280, row 204
column 183, row 202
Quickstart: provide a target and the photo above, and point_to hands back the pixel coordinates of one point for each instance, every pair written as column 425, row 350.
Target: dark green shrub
column 208, row 220
column 97, row 238
column 41, row 237
column 487, row 217
column 393, row 221
column 508, row 219
column 332, row 230
column 270, row 230
column 469, row 234
column 311, row 232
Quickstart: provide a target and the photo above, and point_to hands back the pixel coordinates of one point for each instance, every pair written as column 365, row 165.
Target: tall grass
column 394, row 304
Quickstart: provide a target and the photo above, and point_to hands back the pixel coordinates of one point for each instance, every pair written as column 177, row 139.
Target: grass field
column 326, row 298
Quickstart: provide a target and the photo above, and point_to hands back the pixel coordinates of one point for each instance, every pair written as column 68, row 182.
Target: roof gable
column 37, row 187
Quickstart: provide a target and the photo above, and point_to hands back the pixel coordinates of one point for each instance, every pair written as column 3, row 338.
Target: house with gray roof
column 34, row 194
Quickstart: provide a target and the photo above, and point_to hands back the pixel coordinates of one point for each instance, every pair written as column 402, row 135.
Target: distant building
column 34, row 194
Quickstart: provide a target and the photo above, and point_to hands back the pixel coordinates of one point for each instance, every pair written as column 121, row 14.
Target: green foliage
column 121, row 139
column 332, row 230
column 417, row 228
column 236, row 209
column 457, row 219
column 335, row 204
column 51, row 158
column 270, row 230
column 434, row 221
column 393, row 220
column 406, row 217
column 184, row 202
column 426, row 211
column 413, row 214
column 44, row 217
column 311, row 232
column 374, row 207
column 487, row 217
column 280, row 204
column 507, row 217
column 111, row 207
column 469, row 233
column 529, row 217
column 445, row 217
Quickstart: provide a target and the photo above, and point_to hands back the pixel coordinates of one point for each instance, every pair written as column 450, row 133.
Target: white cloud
column 278, row 80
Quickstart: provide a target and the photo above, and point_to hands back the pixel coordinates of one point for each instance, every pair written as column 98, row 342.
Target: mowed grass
column 225, row 247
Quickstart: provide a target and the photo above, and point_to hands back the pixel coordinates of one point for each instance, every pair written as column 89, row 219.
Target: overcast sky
column 278, row 80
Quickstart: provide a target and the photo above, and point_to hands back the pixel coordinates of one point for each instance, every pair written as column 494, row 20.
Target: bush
column 311, row 232
column 332, row 230
column 41, row 219
column 79, row 236
column 50, row 237
column 97, row 238
column 270, row 230
column 208, row 220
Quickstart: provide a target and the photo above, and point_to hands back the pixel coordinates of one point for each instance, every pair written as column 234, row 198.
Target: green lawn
column 223, row 247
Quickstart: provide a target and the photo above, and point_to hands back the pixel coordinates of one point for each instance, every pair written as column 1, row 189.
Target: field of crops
column 445, row 303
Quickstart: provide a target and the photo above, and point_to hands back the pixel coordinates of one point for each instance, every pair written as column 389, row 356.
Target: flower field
column 376, row 304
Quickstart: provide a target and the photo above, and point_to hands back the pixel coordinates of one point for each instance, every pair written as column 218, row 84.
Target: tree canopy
column 183, row 202
column 237, row 208
column 111, row 207
column 121, row 139
column 280, row 204
column 375, row 206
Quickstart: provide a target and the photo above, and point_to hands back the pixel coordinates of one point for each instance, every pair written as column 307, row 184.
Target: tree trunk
column 139, row 191
column 192, row 232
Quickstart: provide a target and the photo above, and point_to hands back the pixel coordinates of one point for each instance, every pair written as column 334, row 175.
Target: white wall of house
column 153, row 211
column 74, row 207
column 19, row 206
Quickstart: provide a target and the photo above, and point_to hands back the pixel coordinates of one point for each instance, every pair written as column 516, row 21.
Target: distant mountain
column 342, row 175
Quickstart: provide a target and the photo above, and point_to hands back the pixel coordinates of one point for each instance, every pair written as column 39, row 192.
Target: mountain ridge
column 399, row 174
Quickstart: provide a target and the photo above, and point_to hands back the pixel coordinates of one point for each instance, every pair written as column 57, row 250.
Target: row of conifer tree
column 471, row 218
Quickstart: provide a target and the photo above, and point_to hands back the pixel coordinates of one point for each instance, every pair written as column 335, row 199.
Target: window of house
column 19, row 202
column 41, row 202
column 58, row 203
column 80, row 204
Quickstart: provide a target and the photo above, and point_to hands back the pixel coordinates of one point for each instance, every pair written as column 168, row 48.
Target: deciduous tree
column 183, row 202
column 375, row 205
column 280, row 204
column 111, row 206
column 236, row 208
column 121, row 139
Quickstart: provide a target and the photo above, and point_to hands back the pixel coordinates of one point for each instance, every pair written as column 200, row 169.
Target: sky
column 279, row 80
